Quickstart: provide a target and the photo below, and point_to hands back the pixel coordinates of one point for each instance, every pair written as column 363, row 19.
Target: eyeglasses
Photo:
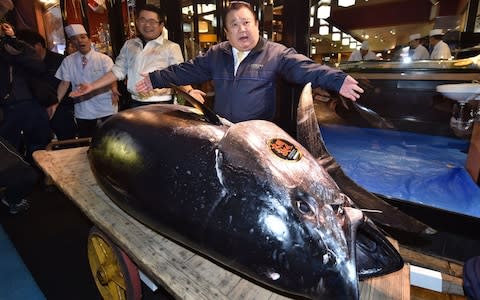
column 151, row 22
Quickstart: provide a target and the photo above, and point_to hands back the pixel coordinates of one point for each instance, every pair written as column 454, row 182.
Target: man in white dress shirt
column 148, row 52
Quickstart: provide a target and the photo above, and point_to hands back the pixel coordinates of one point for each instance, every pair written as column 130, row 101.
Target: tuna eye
column 305, row 208
column 305, row 204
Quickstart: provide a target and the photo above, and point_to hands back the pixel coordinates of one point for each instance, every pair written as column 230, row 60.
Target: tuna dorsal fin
column 308, row 131
column 209, row 114
column 310, row 136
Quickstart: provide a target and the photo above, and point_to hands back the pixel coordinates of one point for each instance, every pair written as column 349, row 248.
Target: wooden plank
column 392, row 286
column 424, row 294
column 451, row 271
column 181, row 272
column 440, row 264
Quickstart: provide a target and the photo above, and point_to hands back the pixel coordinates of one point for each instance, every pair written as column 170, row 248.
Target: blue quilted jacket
column 250, row 94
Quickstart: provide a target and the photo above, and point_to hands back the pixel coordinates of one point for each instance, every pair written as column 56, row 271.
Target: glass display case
column 406, row 93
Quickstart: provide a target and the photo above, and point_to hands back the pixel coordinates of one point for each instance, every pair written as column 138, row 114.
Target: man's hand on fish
column 198, row 95
column 144, row 87
column 350, row 89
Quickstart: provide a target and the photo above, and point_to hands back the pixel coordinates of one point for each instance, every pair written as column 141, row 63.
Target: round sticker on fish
column 284, row 149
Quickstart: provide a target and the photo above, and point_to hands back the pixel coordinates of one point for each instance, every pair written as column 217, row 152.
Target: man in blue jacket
column 245, row 88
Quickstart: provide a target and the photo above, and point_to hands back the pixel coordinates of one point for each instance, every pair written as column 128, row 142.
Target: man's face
column 149, row 25
column 242, row 29
column 82, row 43
column 414, row 44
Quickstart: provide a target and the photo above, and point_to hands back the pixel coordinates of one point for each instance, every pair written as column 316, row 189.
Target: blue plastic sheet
column 423, row 169
column 16, row 282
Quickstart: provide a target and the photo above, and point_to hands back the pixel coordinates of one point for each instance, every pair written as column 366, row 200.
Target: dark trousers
column 63, row 121
column 26, row 126
column 87, row 128
column 16, row 175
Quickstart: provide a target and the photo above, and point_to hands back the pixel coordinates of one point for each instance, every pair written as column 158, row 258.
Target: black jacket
column 21, row 60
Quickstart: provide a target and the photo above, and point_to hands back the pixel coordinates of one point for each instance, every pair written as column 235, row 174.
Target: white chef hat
column 415, row 36
column 75, row 29
column 365, row 45
column 436, row 32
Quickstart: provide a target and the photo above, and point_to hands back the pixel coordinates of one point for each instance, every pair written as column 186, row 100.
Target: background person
column 17, row 178
column 245, row 87
column 419, row 51
column 82, row 66
column 363, row 54
column 62, row 122
column 146, row 53
column 5, row 7
column 25, row 122
column 440, row 49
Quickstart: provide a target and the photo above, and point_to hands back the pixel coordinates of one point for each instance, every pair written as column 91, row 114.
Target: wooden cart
column 121, row 239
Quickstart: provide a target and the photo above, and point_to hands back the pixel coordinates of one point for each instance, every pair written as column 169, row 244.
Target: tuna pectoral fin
column 209, row 114
column 309, row 135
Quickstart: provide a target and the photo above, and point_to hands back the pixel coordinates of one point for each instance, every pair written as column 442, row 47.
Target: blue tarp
column 424, row 169
column 16, row 282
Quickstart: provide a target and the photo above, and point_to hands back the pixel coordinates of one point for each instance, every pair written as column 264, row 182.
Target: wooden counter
column 181, row 272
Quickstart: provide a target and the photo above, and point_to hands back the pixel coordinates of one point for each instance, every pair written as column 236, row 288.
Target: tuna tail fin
column 209, row 114
column 309, row 135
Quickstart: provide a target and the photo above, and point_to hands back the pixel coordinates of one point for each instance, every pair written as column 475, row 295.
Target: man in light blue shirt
column 87, row 65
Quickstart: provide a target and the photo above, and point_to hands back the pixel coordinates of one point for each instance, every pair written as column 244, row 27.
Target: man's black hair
column 152, row 8
column 236, row 5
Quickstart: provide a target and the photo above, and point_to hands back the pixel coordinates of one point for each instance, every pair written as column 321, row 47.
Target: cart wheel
column 115, row 275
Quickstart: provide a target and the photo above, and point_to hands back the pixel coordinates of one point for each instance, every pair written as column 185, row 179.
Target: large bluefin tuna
column 246, row 195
